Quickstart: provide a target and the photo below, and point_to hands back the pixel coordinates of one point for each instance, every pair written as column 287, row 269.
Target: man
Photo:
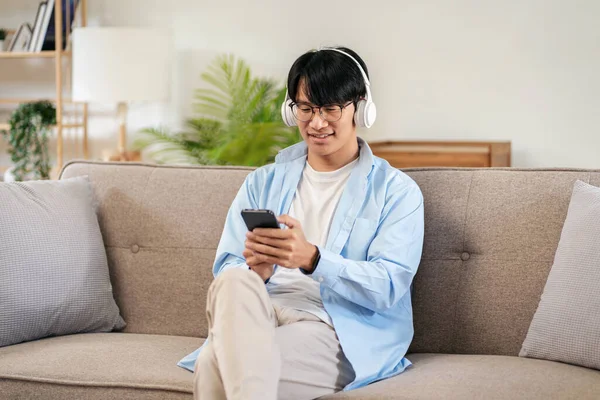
column 324, row 304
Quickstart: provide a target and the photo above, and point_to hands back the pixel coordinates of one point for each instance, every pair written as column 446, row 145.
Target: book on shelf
column 50, row 37
column 37, row 27
column 21, row 38
column 44, row 33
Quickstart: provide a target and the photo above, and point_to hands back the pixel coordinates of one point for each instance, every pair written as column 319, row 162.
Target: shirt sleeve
column 229, row 252
column 392, row 257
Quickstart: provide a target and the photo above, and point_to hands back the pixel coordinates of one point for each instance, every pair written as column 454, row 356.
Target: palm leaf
column 165, row 148
column 238, row 121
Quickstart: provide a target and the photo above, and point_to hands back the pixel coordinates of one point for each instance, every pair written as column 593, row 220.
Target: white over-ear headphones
column 365, row 113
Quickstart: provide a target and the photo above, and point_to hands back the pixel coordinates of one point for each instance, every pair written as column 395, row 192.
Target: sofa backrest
column 490, row 239
column 161, row 226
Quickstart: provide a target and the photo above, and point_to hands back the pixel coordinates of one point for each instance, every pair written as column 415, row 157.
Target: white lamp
column 120, row 65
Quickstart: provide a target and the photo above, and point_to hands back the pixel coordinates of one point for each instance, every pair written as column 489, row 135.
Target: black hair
column 329, row 77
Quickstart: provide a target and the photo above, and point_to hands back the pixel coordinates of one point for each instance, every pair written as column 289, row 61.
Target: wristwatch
column 314, row 264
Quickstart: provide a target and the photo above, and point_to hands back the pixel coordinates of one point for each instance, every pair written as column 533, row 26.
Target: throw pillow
column 54, row 277
column 566, row 325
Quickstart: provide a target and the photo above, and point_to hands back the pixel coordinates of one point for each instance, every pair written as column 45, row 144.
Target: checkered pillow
column 53, row 269
column 566, row 325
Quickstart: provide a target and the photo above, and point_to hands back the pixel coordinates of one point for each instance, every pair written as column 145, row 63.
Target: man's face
column 325, row 138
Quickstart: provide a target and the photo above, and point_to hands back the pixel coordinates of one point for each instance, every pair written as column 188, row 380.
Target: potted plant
column 30, row 126
column 2, row 39
column 238, row 122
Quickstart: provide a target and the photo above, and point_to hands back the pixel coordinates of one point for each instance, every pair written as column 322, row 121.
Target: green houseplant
column 27, row 137
column 237, row 121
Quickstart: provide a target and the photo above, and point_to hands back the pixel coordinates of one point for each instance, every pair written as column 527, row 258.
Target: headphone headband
column 362, row 71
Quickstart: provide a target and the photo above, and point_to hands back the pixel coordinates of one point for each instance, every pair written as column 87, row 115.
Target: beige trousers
column 258, row 351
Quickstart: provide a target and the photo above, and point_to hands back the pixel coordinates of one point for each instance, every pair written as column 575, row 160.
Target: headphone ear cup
column 359, row 114
column 286, row 113
column 365, row 114
column 370, row 114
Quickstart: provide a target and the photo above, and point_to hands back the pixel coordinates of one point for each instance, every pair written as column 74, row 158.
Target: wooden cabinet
column 407, row 154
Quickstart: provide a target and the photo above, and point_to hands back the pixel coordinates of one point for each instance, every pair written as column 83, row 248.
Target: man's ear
column 354, row 113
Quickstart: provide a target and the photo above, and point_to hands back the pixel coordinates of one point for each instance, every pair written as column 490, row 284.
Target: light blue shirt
column 367, row 265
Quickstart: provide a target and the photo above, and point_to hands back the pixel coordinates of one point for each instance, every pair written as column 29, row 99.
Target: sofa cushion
column 98, row 366
column 449, row 376
column 566, row 325
column 54, row 277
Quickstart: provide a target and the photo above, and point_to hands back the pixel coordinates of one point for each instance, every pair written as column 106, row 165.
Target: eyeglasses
column 329, row 112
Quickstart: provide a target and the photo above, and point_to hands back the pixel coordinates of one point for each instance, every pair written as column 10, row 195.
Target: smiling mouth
column 323, row 136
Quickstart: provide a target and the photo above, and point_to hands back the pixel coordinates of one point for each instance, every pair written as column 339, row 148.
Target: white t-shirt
column 314, row 205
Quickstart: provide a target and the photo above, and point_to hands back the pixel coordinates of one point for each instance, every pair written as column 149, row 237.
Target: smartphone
column 259, row 219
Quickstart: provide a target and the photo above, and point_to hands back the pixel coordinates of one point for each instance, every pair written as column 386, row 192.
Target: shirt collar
column 365, row 164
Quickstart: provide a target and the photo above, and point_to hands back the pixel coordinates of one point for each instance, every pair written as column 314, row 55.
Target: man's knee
column 237, row 287
column 236, row 277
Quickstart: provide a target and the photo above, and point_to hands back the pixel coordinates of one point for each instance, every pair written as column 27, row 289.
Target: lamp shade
column 120, row 64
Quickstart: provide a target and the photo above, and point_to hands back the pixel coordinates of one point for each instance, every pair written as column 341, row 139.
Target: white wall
column 526, row 71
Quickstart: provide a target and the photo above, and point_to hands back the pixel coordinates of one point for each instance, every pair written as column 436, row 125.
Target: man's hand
column 287, row 248
column 263, row 269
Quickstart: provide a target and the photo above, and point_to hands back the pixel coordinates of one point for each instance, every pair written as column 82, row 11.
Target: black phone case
column 259, row 219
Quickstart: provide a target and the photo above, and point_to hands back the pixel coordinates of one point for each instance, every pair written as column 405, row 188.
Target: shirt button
column 465, row 256
column 320, row 279
column 135, row 248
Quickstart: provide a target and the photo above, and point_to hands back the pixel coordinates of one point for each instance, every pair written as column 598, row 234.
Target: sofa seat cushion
column 452, row 376
column 98, row 366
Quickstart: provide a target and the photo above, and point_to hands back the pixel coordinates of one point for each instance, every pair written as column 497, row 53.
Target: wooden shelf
column 65, row 126
column 62, row 74
column 39, row 54
column 19, row 100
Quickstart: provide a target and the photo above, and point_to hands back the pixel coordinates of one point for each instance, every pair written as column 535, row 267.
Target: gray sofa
column 490, row 239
